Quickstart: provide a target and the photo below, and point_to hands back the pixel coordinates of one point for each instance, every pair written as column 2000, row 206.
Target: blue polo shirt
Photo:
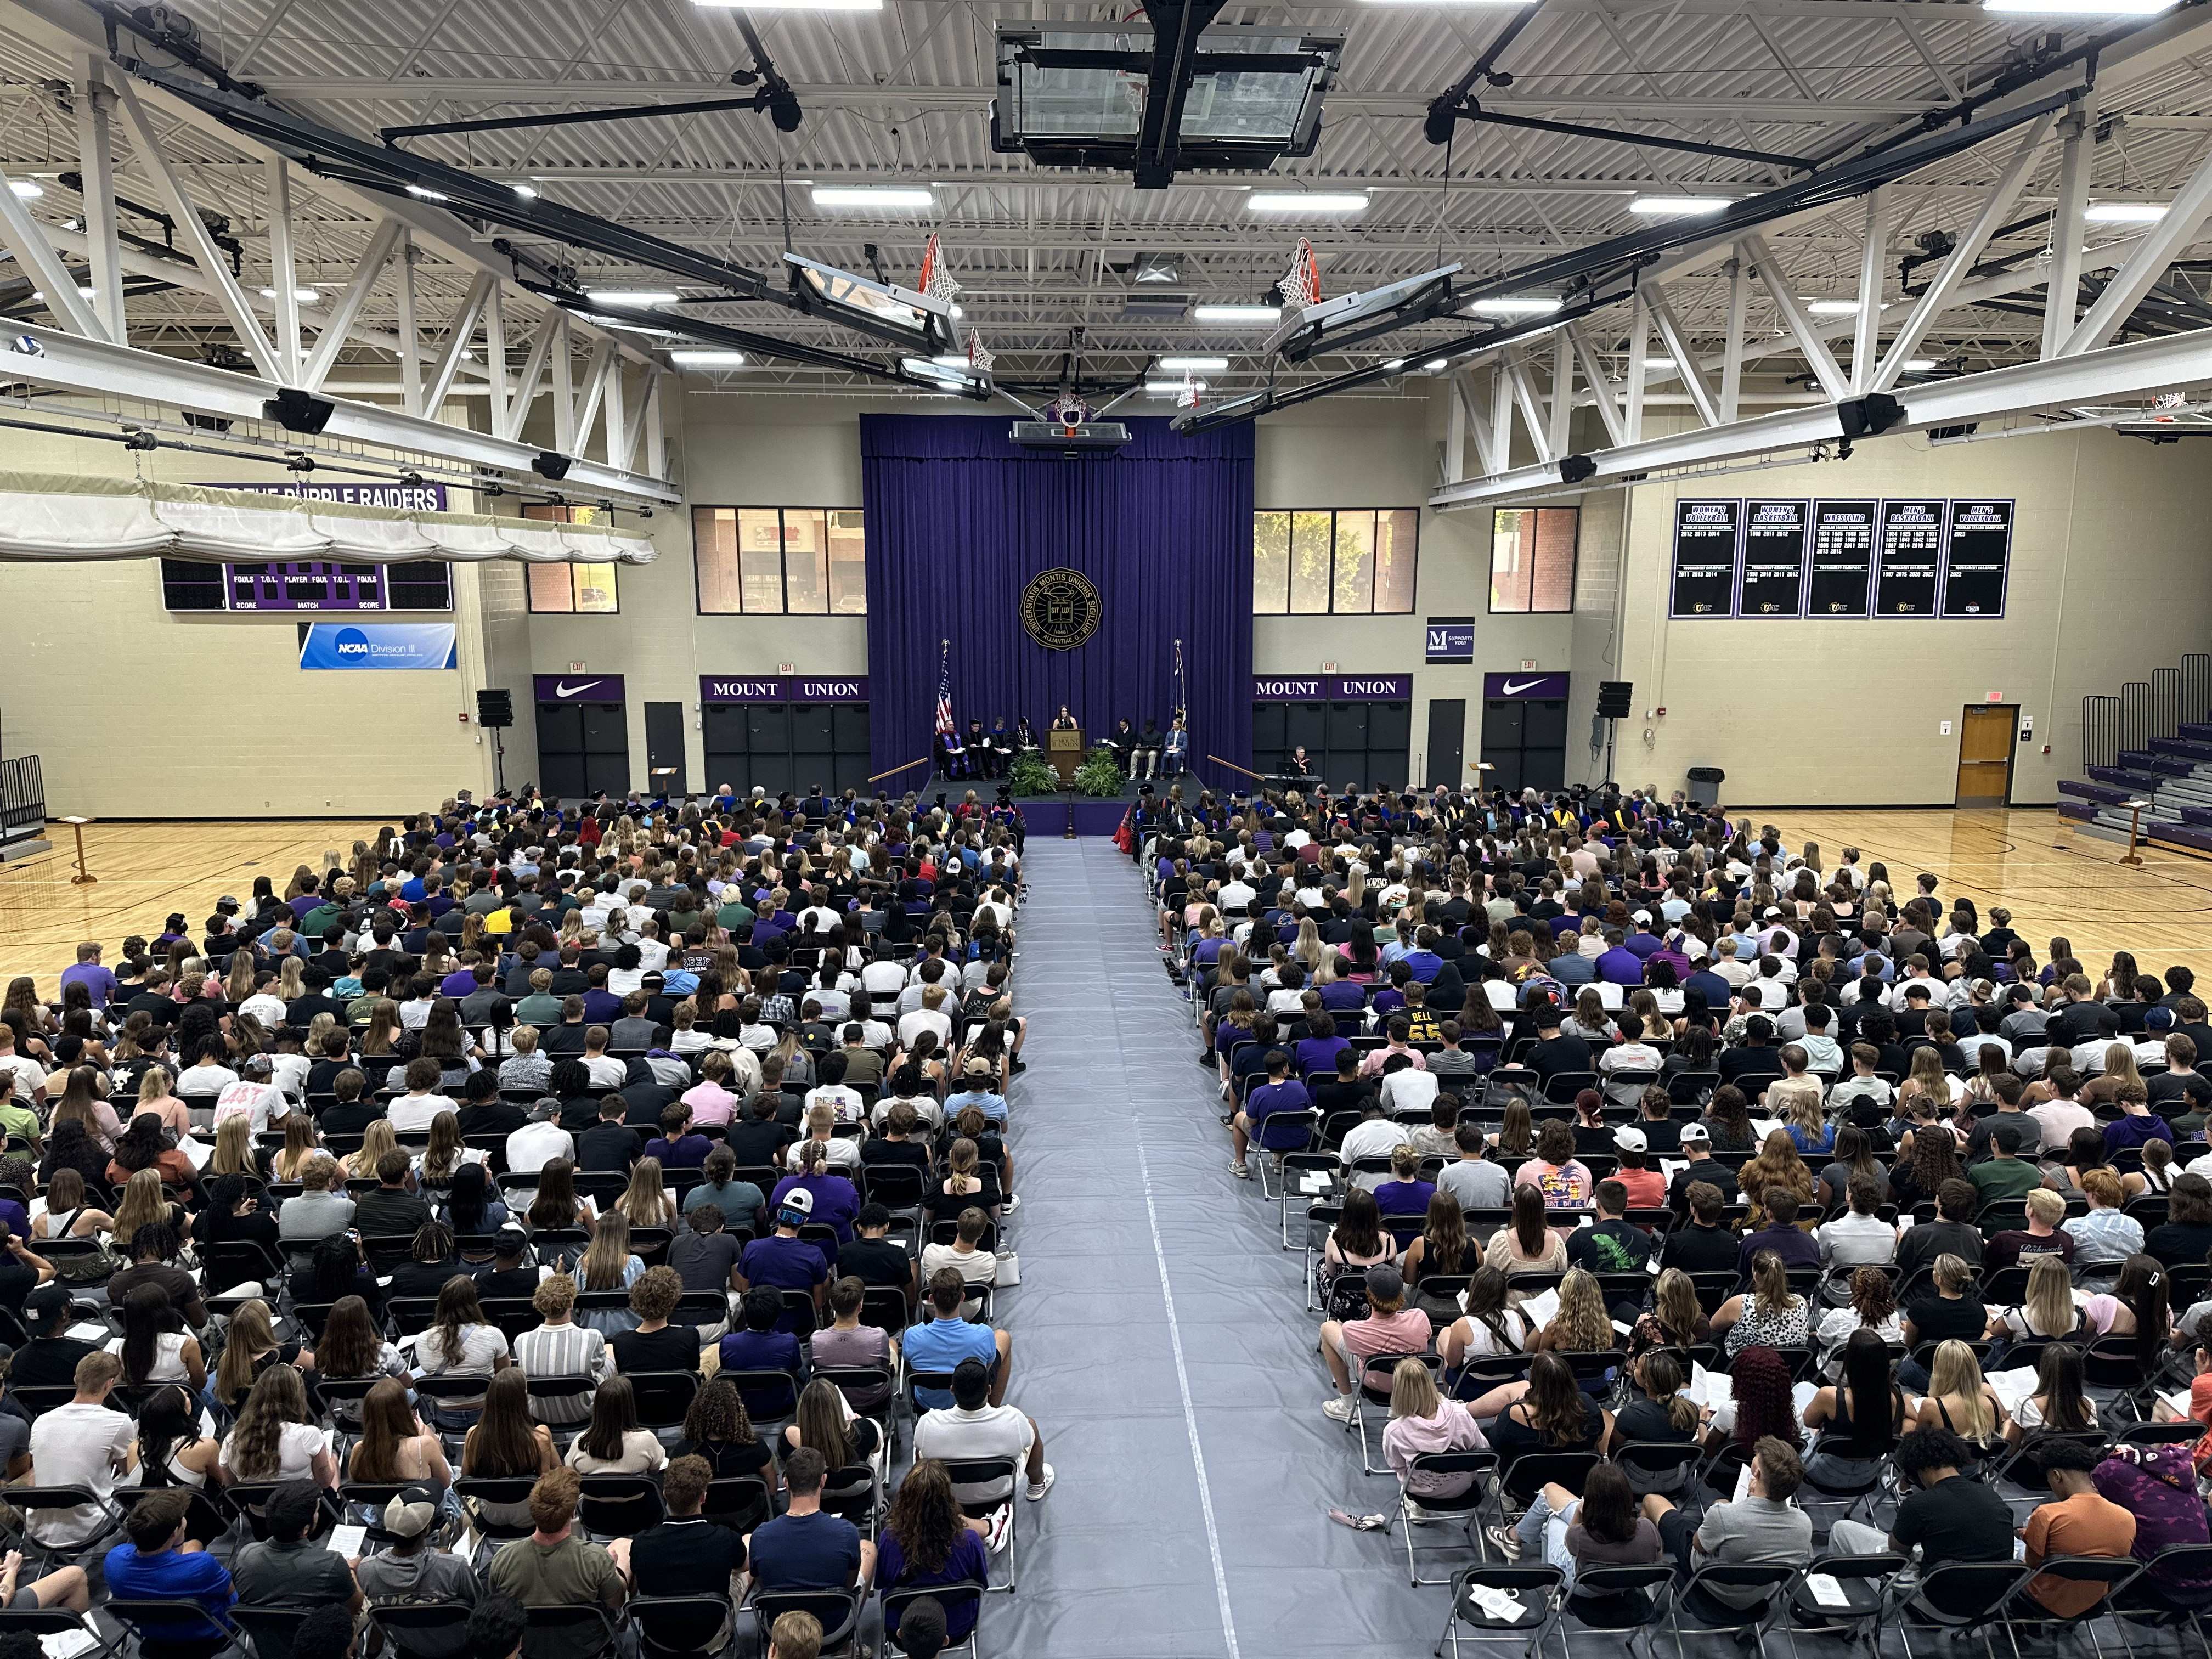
column 173, row 1576
column 940, row 1345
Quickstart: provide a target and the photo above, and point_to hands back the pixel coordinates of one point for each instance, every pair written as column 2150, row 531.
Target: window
column 583, row 590
column 1532, row 559
column 1352, row 563
column 780, row 561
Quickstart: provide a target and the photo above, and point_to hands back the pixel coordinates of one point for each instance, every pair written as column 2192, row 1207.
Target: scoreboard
column 318, row 585
column 1780, row 560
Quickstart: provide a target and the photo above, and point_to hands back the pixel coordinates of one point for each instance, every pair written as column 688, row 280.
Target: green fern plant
column 1029, row 775
column 1100, row 775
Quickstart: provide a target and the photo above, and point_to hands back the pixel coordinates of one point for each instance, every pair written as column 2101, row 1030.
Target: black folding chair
column 681, row 1626
column 1862, row 1579
column 837, row 1611
column 1481, row 1470
column 1539, row 1590
column 952, row 1597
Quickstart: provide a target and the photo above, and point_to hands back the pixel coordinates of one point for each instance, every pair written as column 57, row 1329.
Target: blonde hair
column 250, row 1336
column 1957, row 1375
column 233, row 1147
column 1413, row 1390
column 608, row 1258
column 644, row 1202
column 144, row 1202
column 1583, row 1326
column 376, row 1140
column 2049, row 1305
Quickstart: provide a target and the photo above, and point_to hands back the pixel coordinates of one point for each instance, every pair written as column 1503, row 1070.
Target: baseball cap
column 2158, row 1019
column 1693, row 1134
column 1641, row 915
column 48, row 1300
column 1385, row 1283
column 412, row 1512
column 1629, row 1139
column 227, row 902
column 254, row 1063
column 797, row 1202
column 976, row 1066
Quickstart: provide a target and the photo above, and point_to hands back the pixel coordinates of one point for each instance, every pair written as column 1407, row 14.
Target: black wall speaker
column 1612, row 698
column 495, row 707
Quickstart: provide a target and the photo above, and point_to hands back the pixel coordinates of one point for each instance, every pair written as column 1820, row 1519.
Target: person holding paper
column 1762, row 1528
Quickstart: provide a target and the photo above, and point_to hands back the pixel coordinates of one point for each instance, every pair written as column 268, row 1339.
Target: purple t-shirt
column 98, row 984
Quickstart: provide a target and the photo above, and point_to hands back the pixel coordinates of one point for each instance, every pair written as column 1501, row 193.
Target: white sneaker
column 1001, row 1529
column 1242, row 1171
column 1342, row 1408
column 1011, row 1204
column 1038, row 1489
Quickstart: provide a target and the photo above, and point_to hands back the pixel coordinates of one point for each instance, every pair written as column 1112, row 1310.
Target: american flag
column 945, row 726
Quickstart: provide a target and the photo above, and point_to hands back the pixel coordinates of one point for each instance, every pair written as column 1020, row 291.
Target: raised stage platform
column 1051, row 815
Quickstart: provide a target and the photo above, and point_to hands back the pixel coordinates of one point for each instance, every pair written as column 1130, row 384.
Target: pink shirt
column 710, row 1103
column 1407, row 1331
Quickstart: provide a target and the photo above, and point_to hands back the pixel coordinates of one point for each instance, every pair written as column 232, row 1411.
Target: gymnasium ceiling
column 901, row 95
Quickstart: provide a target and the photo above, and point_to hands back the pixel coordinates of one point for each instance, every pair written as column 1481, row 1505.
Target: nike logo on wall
column 1514, row 688
column 562, row 689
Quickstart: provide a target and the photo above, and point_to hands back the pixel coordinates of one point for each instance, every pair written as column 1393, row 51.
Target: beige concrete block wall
column 2111, row 576
column 135, row 713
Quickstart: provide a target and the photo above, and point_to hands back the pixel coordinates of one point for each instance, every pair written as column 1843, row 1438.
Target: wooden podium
column 1063, row 752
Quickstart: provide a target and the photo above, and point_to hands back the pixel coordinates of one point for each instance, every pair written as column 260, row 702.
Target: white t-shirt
column 297, row 1444
column 911, row 1025
column 411, row 1113
column 534, row 1146
column 76, row 1445
column 199, row 1082
column 264, row 1103
column 954, row 1436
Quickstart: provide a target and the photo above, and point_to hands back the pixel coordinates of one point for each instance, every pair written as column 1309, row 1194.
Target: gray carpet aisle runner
column 1158, row 1340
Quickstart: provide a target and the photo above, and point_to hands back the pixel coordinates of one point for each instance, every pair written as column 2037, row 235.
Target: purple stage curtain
column 959, row 519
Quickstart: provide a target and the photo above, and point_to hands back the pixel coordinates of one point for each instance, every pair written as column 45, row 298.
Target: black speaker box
column 1612, row 698
column 495, row 707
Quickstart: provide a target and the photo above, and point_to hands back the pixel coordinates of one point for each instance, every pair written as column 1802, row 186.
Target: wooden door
column 1986, row 732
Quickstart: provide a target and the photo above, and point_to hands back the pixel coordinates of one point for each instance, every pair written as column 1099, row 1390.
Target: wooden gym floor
column 2162, row 911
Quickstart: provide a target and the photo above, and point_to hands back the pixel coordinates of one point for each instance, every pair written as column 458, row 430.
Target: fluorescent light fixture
column 1230, row 316
column 1831, row 308
column 874, row 196
column 1192, row 365
column 950, row 360
column 703, row 358
column 792, row 5
column 1169, row 388
column 2082, row 8
column 424, row 194
column 1918, row 365
column 1659, row 365
column 1514, row 306
column 2124, row 213
column 26, row 188
column 38, row 294
column 468, row 356
column 1434, row 366
column 1306, row 201
column 1676, row 207
column 631, row 297
column 1393, row 365
column 306, row 296
column 527, row 193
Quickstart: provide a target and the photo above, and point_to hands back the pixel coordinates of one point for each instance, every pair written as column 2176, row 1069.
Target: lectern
column 1063, row 752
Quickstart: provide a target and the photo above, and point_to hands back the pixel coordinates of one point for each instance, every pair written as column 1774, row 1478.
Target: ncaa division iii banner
column 378, row 645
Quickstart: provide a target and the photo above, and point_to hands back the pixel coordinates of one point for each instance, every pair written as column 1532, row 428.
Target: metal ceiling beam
column 2144, row 369
column 127, row 375
column 864, row 96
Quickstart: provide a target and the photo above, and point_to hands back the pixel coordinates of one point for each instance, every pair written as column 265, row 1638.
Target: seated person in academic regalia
column 953, row 757
column 979, row 750
column 1002, row 746
column 1025, row 734
column 1122, row 740
column 1146, row 761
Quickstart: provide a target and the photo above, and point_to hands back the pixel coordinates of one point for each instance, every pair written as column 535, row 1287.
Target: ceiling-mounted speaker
column 297, row 412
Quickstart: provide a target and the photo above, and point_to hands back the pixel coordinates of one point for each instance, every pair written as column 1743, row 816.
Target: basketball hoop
column 1188, row 397
column 980, row 356
column 1302, row 288
column 935, row 280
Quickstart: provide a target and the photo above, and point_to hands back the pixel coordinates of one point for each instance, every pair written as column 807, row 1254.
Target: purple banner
column 783, row 687
column 1529, row 685
column 1277, row 688
column 402, row 497
column 572, row 688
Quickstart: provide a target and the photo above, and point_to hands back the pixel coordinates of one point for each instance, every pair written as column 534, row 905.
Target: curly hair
column 925, row 1516
column 1760, row 1381
column 717, row 1416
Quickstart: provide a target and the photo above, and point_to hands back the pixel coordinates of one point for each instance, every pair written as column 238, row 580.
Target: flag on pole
column 945, row 724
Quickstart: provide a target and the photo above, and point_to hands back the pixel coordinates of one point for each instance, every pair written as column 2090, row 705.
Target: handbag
column 1008, row 1272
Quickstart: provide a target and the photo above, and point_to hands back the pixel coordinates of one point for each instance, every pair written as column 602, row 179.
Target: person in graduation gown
column 1002, row 747
column 1122, row 740
column 953, row 760
column 1026, row 734
column 979, row 750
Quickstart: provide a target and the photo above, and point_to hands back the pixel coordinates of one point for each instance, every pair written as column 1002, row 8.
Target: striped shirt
column 562, row 1351
column 2104, row 1238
